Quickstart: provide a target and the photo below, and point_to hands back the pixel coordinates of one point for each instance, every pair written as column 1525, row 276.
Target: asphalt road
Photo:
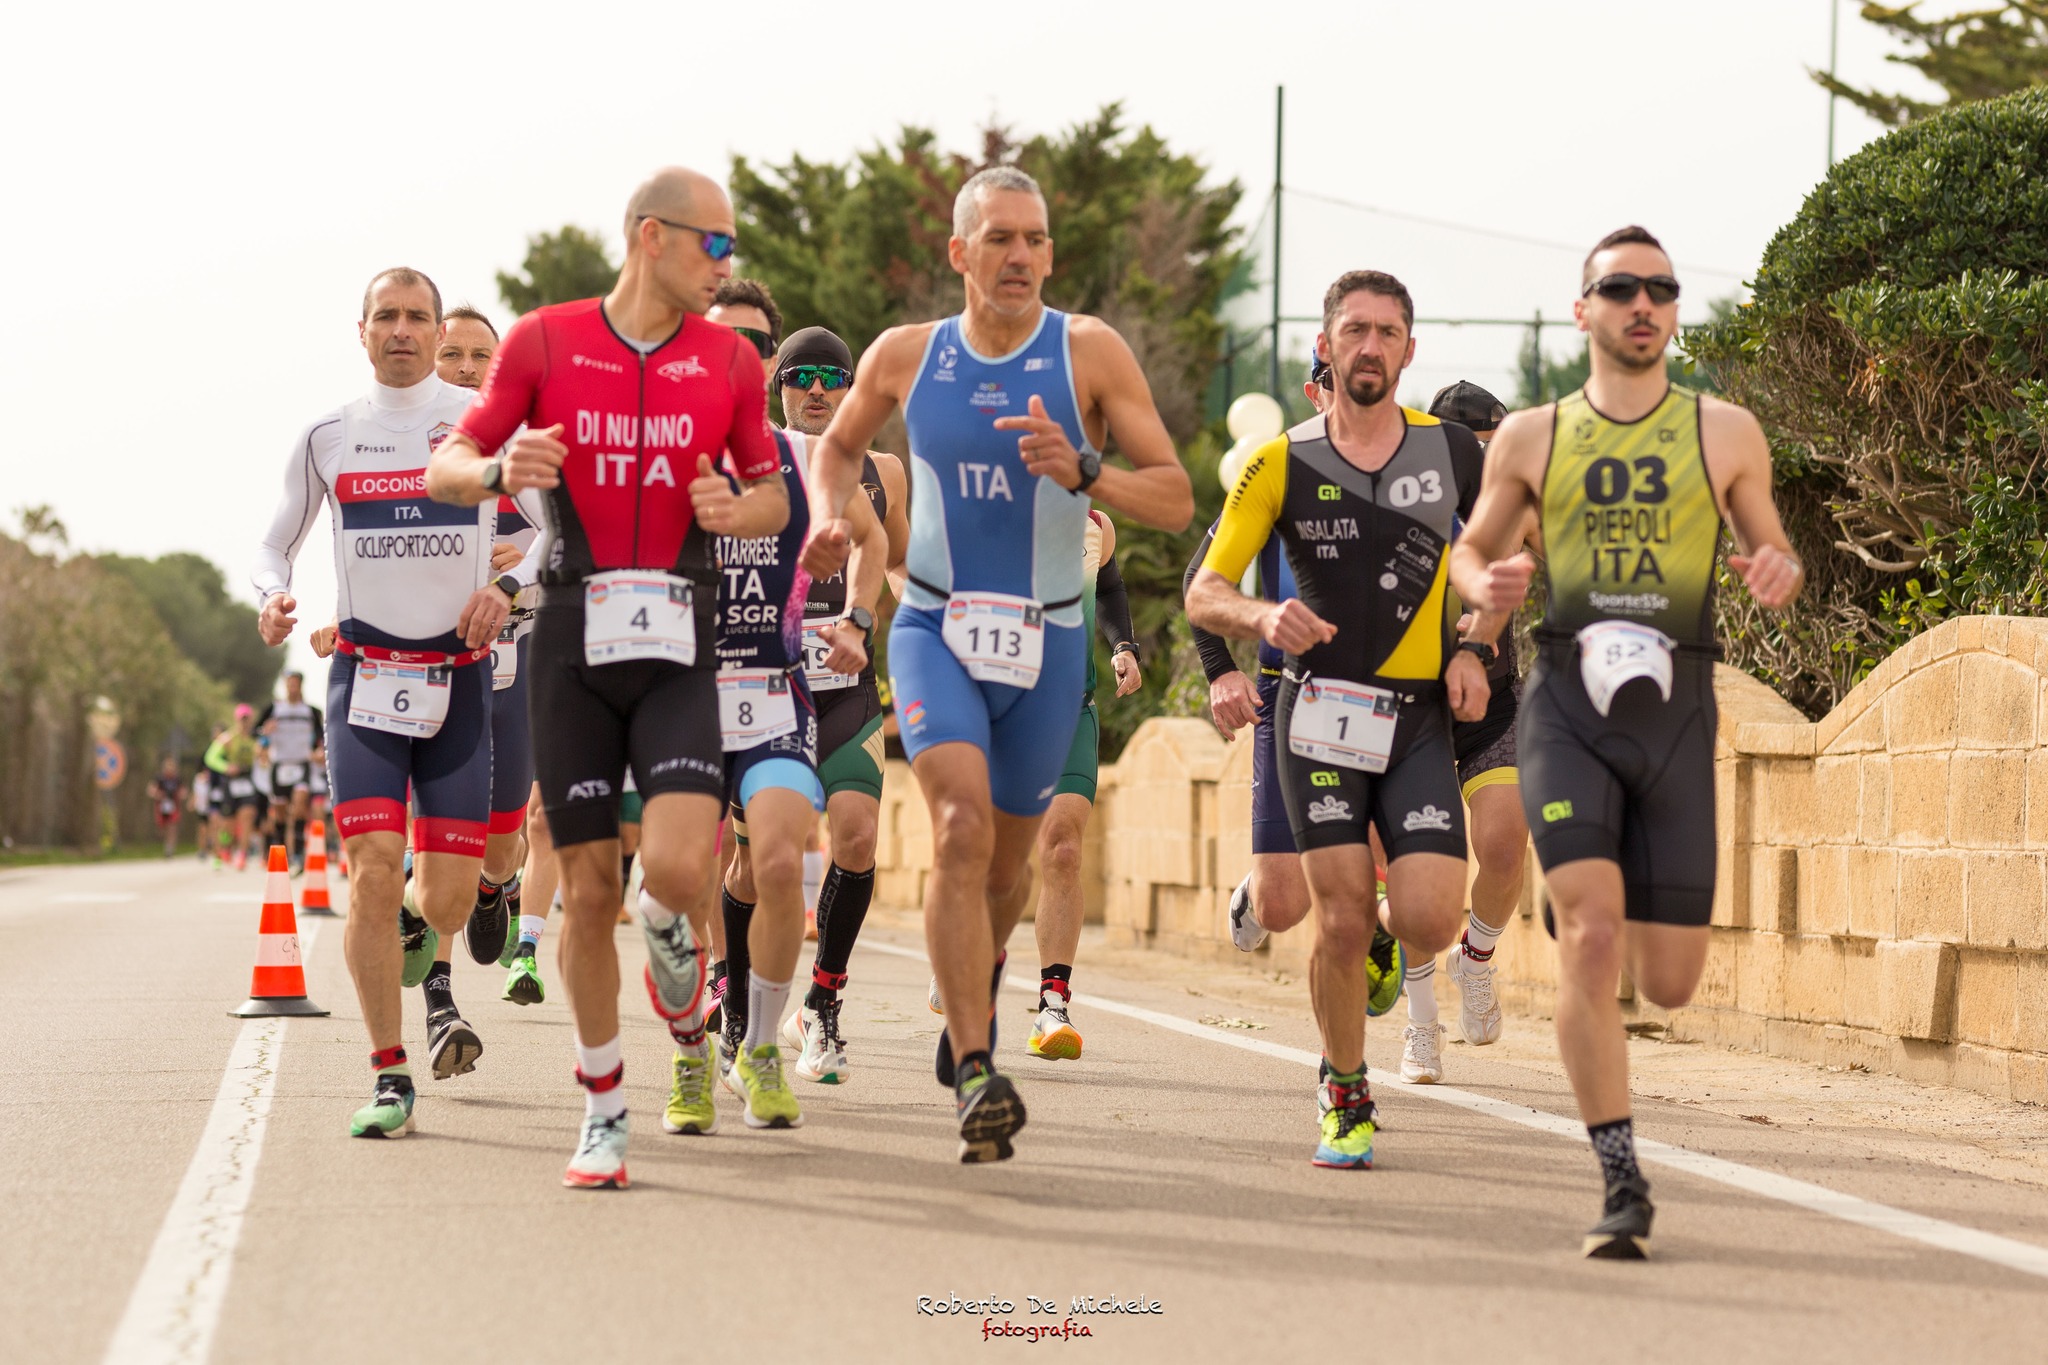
column 1162, row 1168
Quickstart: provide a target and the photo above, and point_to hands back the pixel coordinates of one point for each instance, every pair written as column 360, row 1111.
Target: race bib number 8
column 638, row 614
column 399, row 699
column 1345, row 723
column 998, row 638
column 754, row 706
column 816, row 650
column 1612, row 653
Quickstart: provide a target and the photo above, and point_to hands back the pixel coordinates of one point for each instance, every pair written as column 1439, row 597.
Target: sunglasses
column 717, row 245
column 762, row 342
column 1623, row 288
column 803, row 376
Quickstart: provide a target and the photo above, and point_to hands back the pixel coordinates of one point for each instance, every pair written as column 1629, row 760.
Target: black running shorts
column 1486, row 747
column 1414, row 802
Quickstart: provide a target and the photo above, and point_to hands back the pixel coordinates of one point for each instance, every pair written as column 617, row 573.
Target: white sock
column 531, row 927
column 814, row 877
column 1419, row 980
column 1480, row 935
column 765, row 1002
column 654, row 912
column 595, row 1062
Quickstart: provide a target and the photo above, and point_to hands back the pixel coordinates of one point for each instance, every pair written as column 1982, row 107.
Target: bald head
column 680, row 195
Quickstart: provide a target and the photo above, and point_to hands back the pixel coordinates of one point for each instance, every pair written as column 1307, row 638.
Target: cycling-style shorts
column 1018, row 728
column 511, row 750
column 286, row 778
column 449, row 775
column 787, row 762
column 1272, row 832
column 1634, row 787
column 1414, row 802
column 850, row 745
column 658, row 718
column 1084, row 758
column 1486, row 747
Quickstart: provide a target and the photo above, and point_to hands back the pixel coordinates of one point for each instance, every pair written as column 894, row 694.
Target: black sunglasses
column 717, row 245
column 833, row 377
column 1623, row 288
column 763, row 343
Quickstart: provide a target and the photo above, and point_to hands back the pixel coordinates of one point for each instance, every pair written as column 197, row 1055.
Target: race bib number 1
column 399, row 699
column 638, row 614
column 816, row 650
column 754, row 706
column 1345, row 723
column 1612, row 653
column 998, row 638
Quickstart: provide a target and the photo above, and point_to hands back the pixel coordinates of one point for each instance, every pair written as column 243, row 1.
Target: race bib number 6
column 399, row 699
column 1345, row 723
column 638, row 614
column 1612, row 653
column 997, row 637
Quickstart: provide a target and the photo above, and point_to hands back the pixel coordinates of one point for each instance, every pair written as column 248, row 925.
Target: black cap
column 1468, row 405
column 813, row 346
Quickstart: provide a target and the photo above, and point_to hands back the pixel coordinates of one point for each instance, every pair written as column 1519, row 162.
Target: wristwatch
column 862, row 618
column 1129, row 647
column 1091, row 470
column 1486, row 652
column 507, row 584
column 494, row 474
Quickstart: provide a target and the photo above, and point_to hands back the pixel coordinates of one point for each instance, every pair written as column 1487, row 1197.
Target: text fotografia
column 1081, row 1305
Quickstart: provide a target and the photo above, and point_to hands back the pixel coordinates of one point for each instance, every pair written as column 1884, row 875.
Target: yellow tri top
column 1630, row 524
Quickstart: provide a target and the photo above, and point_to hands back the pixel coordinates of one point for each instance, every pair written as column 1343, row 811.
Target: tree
column 210, row 627
column 1973, row 55
column 560, row 266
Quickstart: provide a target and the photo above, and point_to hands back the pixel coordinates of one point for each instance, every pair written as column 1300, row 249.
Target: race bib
column 998, row 638
column 638, row 614
column 241, row 787
column 505, row 654
column 1345, row 723
column 286, row 776
column 1612, row 653
column 400, row 699
column 754, row 706
column 816, row 650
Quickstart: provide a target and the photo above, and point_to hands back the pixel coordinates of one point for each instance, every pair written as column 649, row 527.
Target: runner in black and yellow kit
column 1363, row 498
column 1631, row 479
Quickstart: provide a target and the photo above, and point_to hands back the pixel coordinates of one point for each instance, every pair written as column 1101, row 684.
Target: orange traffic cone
column 313, row 890
column 278, row 985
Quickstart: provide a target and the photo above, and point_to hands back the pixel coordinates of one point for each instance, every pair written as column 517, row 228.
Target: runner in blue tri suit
column 1007, row 405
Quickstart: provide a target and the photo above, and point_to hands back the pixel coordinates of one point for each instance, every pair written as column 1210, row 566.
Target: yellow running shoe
column 1053, row 1035
column 1347, row 1127
column 690, row 1107
column 757, row 1076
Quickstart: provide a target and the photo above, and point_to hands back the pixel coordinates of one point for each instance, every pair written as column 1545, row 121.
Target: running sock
column 1055, row 981
column 1418, row 978
column 512, row 898
column 1614, row 1142
column 1337, row 1085
column 439, row 987
column 599, row 1070
column 657, row 915
column 1480, row 938
column 739, row 917
column 814, row 876
column 842, row 908
column 487, row 891
column 531, row 927
column 765, row 1002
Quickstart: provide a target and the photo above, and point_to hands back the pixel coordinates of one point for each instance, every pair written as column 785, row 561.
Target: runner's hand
column 1772, row 575
column 533, row 459
column 1044, row 446
column 849, row 646
column 1233, row 703
column 323, row 641
column 483, row 616
column 712, row 501
column 1128, row 676
column 1466, row 686
column 275, row 621
column 504, row 555
column 1293, row 629
column 1507, row 582
column 826, row 547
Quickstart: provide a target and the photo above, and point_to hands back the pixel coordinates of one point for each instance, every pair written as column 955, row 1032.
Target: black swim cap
column 813, row 346
column 1468, row 405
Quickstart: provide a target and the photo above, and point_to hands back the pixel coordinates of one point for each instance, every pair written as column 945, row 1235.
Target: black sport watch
column 493, row 476
column 1486, row 652
column 507, row 584
column 1091, row 470
column 862, row 618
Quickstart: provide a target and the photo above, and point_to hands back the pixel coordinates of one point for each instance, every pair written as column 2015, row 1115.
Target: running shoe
column 757, row 1079
column 933, row 998
column 1624, row 1233
column 600, row 1160
column 942, row 1061
column 714, row 1016
column 1384, row 963
column 1053, row 1035
column 821, row 1052
column 1322, row 1087
column 1422, row 1054
column 1245, row 930
column 389, row 1112
column 990, row 1112
column 675, row 968
column 1478, row 1006
column 524, row 986
column 511, row 899
column 1347, row 1128
column 485, row 933
column 690, row 1107
column 452, row 1045
column 730, row 1044
column 419, row 940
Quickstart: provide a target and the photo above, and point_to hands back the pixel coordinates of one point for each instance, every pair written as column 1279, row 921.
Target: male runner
column 1631, row 478
column 627, row 400
column 232, row 759
column 1363, row 498
column 1008, row 405
column 166, row 801
column 296, row 728
column 416, row 616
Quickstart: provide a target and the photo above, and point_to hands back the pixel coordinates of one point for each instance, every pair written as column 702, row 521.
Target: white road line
column 1984, row 1246
column 175, row 1307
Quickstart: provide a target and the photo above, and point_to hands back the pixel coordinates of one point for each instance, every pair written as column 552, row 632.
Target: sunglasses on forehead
column 763, row 344
column 1622, row 288
column 717, row 245
column 803, row 376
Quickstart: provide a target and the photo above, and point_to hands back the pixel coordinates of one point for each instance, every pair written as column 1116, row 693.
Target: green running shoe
column 389, row 1112
column 757, row 1076
column 690, row 1108
column 1383, row 966
column 1347, row 1128
column 990, row 1113
column 524, row 986
column 419, row 940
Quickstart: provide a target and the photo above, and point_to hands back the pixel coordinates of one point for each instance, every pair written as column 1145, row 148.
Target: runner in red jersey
column 628, row 403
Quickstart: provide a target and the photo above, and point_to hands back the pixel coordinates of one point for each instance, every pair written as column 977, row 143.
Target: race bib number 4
column 998, row 638
column 1345, row 723
column 638, row 614
column 816, row 650
column 400, row 699
column 1612, row 653
column 754, row 706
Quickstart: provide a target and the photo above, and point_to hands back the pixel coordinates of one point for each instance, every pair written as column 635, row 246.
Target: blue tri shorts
column 511, row 751
column 789, row 762
column 449, row 775
column 1270, row 831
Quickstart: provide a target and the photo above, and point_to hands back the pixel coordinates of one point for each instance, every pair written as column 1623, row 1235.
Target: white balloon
column 1234, row 460
column 1256, row 417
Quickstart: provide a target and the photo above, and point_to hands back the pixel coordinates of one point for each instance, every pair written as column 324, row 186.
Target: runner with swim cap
column 627, row 401
column 1007, row 405
column 1631, row 478
column 416, row 614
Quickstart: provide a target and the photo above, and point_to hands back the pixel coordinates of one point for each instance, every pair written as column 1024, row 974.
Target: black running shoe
column 1624, row 1234
column 488, row 925
column 452, row 1045
column 991, row 1112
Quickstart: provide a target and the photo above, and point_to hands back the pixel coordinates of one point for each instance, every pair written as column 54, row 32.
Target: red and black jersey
column 635, row 425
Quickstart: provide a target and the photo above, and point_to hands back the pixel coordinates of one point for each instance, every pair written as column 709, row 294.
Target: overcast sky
column 198, row 193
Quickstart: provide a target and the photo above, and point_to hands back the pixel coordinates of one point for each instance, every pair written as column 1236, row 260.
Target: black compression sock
column 842, row 908
column 739, row 917
column 439, row 987
column 1614, row 1142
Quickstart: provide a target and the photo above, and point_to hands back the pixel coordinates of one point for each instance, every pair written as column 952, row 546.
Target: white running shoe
column 1245, row 930
column 1422, row 1054
column 600, row 1160
column 1478, row 1006
column 933, row 998
column 821, row 1052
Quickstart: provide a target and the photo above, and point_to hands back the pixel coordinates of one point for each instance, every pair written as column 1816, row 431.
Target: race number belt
column 1613, row 653
column 816, row 650
column 997, row 637
column 1345, row 723
column 402, row 691
column 638, row 614
column 505, row 649
column 755, row 705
